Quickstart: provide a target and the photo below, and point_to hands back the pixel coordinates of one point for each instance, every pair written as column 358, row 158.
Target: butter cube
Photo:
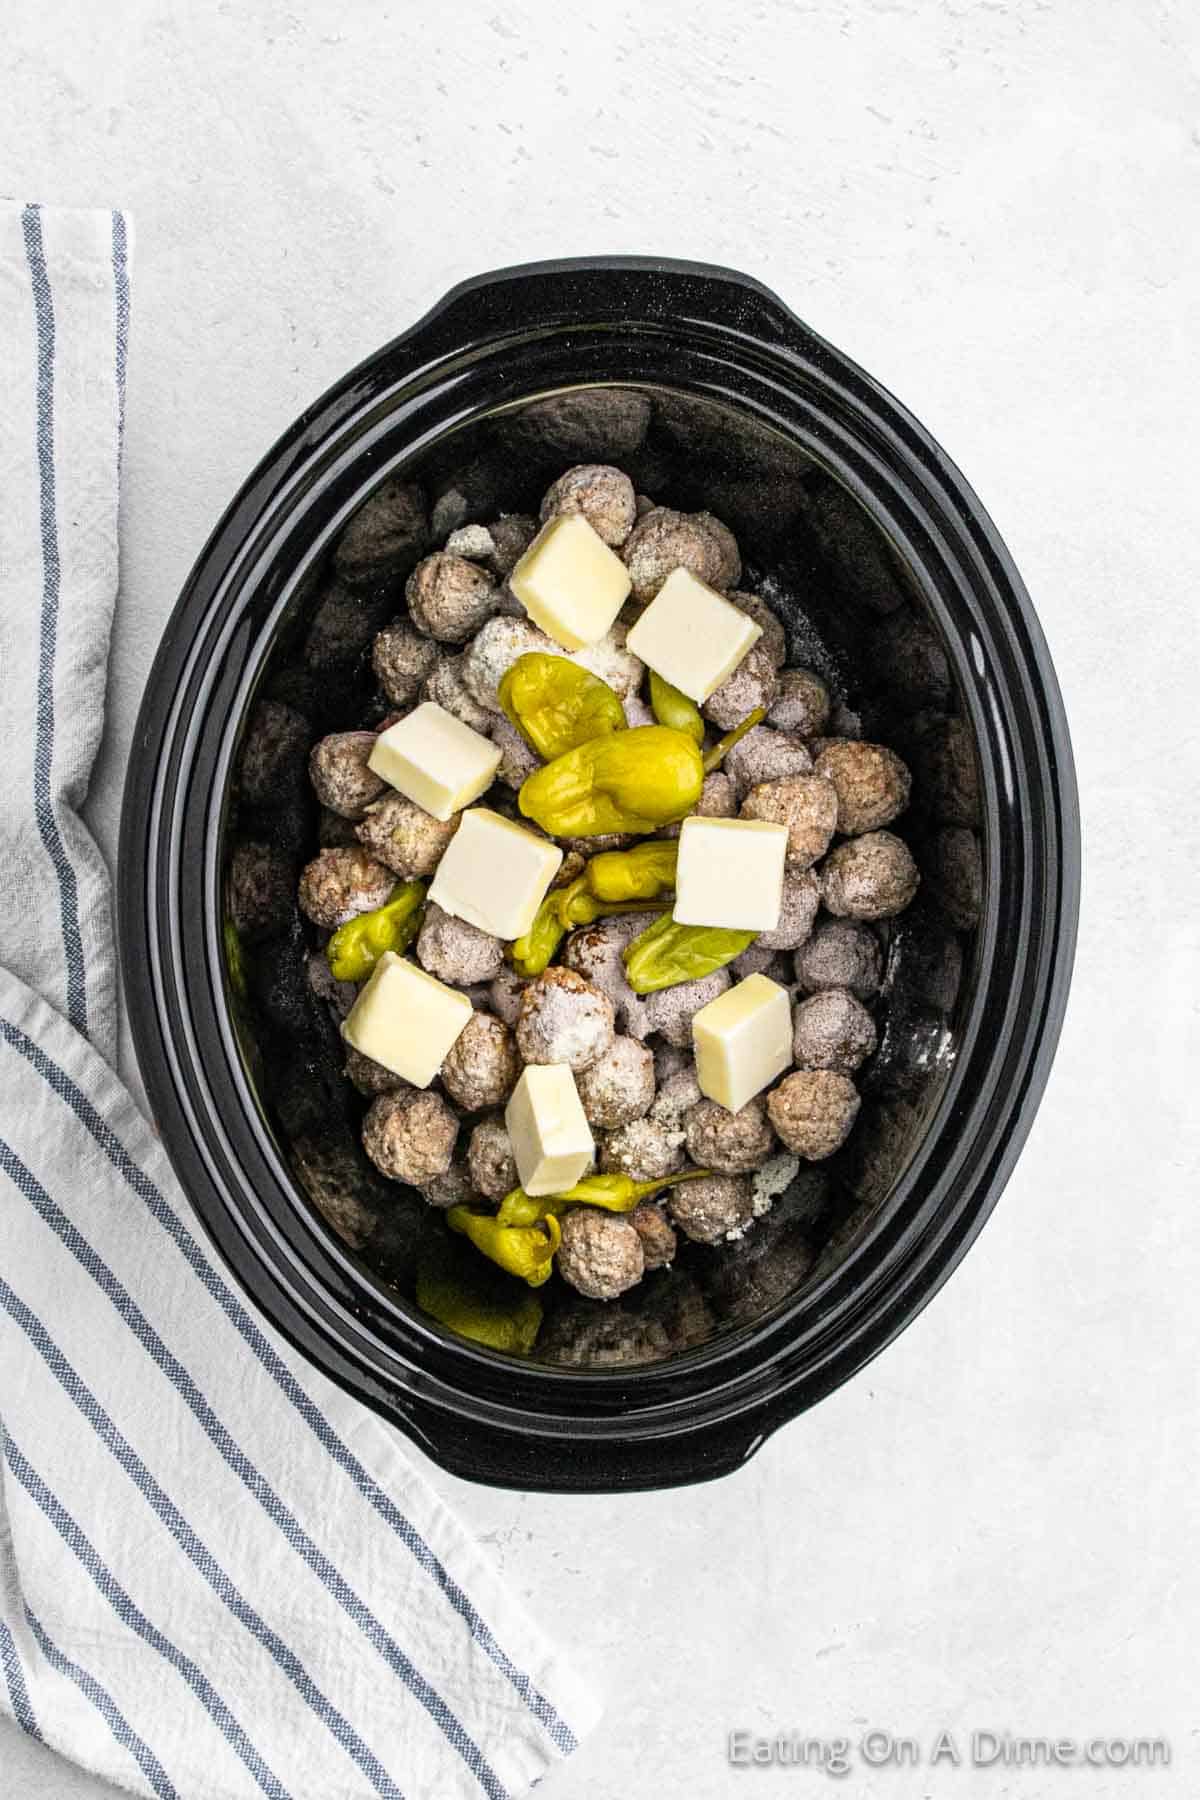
column 570, row 582
column 692, row 636
column 406, row 1020
column 433, row 758
column 551, row 1141
column 730, row 873
column 495, row 874
column 743, row 1040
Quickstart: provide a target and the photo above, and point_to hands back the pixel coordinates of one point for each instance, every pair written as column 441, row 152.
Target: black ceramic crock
column 892, row 581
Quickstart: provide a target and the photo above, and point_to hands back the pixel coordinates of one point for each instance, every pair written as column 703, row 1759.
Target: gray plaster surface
column 994, row 208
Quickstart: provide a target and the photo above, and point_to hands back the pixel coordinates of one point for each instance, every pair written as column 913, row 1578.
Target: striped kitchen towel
column 219, row 1576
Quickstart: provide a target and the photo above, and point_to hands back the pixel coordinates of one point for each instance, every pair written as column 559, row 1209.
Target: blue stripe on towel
column 14, row 1681
column 68, row 893
column 555, row 1727
column 236, row 1459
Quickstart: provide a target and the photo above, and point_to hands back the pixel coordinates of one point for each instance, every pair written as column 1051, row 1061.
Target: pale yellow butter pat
column 730, row 873
column 495, row 874
column 570, row 582
column 552, row 1144
column 692, row 636
column 433, row 758
column 406, row 1020
column 743, row 1040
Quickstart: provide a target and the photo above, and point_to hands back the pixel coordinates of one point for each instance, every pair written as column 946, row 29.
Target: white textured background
column 996, row 208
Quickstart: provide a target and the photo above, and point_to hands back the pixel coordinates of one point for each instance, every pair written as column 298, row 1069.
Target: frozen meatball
column 753, row 683
column 638, row 712
column 806, row 804
column 669, row 1061
column 954, row 873
column 504, row 995
column 600, row 1254
column 619, row 1085
column 601, row 493
column 710, row 1209
column 482, row 1065
column 773, row 639
column 451, row 1188
column 564, row 1020
column 670, row 1010
column 339, row 884
column 677, row 1094
column 492, row 653
column 511, row 534
column 456, row 952
column 799, row 906
column 659, row 1242
column 410, row 1136
column 645, row 1150
column 490, row 1159
column 731, row 1143
column 801, row 704
column 612, row 662
column 869, row 877
column 274, row 748
column 371, row 1077
column 765, row 754
column 337, row 768
column 840, row 953
column 718, row 800
column 403, row 835
column 813, row 1110
column 755, row 961
column 663, row 540
column 594, row 951
column 517, row 760
column 385, row 533
column 832, row 1030
column 871, row 783
column 449, row 598
column 259, row 890
column 445, row 685
column 402, row 659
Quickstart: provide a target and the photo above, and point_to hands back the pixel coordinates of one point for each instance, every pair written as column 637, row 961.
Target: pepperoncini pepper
column 532, row 952
column 357, row 946
column 643, row 873
column 672, row 708
column 624, row 781
column 467, row 1295
column 614, row 1192
column 666, row 953
column 525, row 1250
column 556, row 705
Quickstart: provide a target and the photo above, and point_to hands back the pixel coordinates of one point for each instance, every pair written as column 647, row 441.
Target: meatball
column 799, row 905
column 403, row 835
column 601, row 493
column 385, row 532
column 451, row 1188
column 504, row 994
column 511, row 535
column 259, row 890
column 339, row 884
column 449, row 598
column 731, row 1143
column 600, row 1254
column 638, row 712
column 871, row 783
column 445, row 685
column 612, row 662
column 806, row 804
column 492, row 652
column 402, row 659
column 594, row 951
column 765, row 754
column 645, row 1150
column 942, row 755
column 813, row 1111
column 619, row 1085
column 670, row 1009
column 659, row 1242
column 678, row 1093
column 840, row 953
column 832, row 1030
column 753, row 683
column 482, row 1065
column 954, row 873
column 802, row 703
column 490, row 1160
column 869, row 877
column 410, row 1136
column 517, row 759
column 371, row 1077
column 774, row 638
column 334, row 832
column 717, row 800
column 455, row 951
column 669, row 1061
column 911, row 662
column 664, row 540
column 563, row 1019
column 713, row 1208
column 337, row 768
column 756, row 961
column 338, row 996
column 274, row 748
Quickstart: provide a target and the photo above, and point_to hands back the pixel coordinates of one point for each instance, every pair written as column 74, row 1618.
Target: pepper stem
column 723, row 746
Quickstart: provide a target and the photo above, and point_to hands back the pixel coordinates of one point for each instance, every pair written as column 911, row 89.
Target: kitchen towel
column 219, row 1576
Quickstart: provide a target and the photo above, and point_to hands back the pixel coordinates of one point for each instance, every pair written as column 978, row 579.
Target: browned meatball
column 659, row 1242
column 645, row 1150
column 564, row 1020
column 731, row 1143
column 402, row 659
column 490, row 1159
column 799, row 905
column 337, row 768
column 339, row 884
column 517, row 759
column 753, row 683
column 813, row 1110
column 669, row 1010
column 386, row 531
column 832, row 1030
column 601, row 1253
column 773, row 639
column 403, row 835
column 410, row 1136
column 718, row 800
column 765, row 754
column 445, row 685
column 455, row 951
column 869, row 877
column 871, row 782
column 806, row 804
column 601, row 493
column 482, row 1066
column 710, row 1209
column 504, row 995
column 371, row 1077
column 594, row 951
column 619, row 1085
column 802, row 703
column 664, row 540
column 451, row 1188
column 449, row 598
column 840, row 953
